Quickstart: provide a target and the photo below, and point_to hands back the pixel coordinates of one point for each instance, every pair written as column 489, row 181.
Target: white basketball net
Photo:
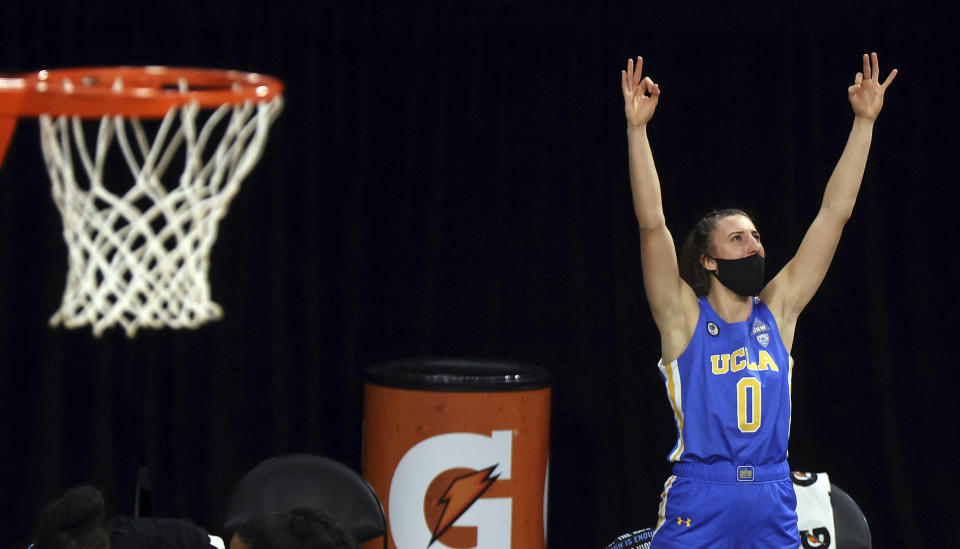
column 142, row 259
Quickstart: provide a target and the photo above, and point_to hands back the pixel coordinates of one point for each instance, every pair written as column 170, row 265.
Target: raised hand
column 866, row 93
column 640, row 95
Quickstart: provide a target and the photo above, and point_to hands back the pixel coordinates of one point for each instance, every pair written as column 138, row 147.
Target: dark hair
column 298, row 528
column 74, row 521
column 699, row 242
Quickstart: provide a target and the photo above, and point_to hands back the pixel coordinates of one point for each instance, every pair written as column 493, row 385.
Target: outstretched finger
column 638, row 72
column 623, row 82
column 875, row 65
column 866, row 66
column 890, row 77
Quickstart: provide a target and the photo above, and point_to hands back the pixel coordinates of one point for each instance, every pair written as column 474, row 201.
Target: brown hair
column 699, row 242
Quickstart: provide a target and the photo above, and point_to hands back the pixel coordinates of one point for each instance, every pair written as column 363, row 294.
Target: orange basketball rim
column 141, row 92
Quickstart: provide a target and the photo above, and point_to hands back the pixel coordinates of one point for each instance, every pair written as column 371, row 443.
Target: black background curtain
column 450, row 179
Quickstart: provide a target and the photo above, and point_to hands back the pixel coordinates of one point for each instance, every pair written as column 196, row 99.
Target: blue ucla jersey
column 730, row 391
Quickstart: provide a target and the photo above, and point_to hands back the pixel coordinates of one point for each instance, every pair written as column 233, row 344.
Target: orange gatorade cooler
column 458, row 452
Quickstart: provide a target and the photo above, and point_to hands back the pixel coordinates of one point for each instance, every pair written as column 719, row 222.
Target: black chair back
column 306, row 480
column 852, row 529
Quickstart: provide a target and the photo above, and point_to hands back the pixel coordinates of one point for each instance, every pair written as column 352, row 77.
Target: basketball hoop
column 140, row 256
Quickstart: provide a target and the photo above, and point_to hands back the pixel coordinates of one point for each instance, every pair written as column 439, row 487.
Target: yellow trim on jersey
column 790, row 394
column 661, row 513
column 671, row 377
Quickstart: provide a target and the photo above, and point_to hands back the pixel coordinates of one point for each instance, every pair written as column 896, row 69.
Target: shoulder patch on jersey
column 712, row 329
column 759, row 326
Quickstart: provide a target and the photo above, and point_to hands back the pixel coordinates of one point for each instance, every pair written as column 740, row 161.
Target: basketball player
column 726, row 338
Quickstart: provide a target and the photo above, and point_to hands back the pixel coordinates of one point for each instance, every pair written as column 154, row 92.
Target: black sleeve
column 155, row 533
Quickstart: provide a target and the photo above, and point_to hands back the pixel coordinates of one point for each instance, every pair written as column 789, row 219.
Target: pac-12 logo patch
column 712, row 329
column 763, row 339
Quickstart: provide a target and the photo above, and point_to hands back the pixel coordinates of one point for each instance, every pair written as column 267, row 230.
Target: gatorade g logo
column 436, row 494
column 462, row 492
column 803, row 479
column 818, row 537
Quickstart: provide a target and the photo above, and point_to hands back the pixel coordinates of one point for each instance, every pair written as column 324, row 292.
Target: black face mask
column 743, row 276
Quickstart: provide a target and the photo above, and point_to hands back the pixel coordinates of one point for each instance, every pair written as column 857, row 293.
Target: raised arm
column 671, row 300
column 790, row 291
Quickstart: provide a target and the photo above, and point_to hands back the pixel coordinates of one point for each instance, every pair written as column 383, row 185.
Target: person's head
column 722, row 234
column 298, row 528
column 74, row 521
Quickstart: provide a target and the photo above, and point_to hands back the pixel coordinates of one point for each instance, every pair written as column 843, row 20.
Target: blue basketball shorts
column 723, row 506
